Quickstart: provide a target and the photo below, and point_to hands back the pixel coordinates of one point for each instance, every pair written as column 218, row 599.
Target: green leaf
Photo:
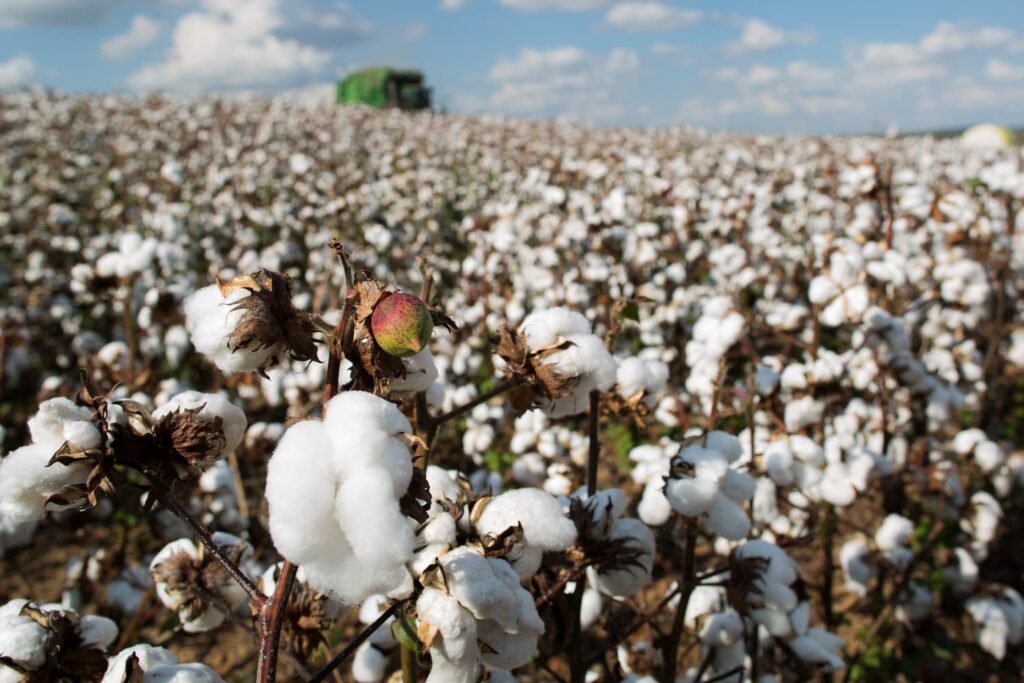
column 404, row 631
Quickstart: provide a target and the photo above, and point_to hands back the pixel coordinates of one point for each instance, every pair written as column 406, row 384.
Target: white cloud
column 17, row 71
column 232, row 45
column 557, row 5
column 957, row 37
column 760, row 36
column 998, row 70
column 16, row 13
column 649, row 15
column 452, row 5
column 886, row 65
column 807, row 73
column 311, row 25
column 141, row 33
column 416, row 31
column 563, row 81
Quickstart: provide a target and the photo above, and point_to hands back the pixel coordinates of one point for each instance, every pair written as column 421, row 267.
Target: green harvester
column 383, row 87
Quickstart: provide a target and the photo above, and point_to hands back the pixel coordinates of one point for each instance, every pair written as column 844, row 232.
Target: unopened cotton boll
column 334, row 487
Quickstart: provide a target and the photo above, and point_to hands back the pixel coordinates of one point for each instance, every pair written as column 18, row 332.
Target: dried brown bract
column 68, row 657
column 541, row 382
column 268, row 317
column 595, row 546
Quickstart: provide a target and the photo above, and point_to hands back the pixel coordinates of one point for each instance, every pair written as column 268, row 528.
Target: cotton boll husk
column 210, row 318
column 627, row 580
column 605, row 507
column 213, row 406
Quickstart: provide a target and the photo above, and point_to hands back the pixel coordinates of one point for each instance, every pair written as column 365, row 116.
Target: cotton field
column 296, row 393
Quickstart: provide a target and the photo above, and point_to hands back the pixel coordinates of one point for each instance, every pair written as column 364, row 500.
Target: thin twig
column 340, row 658
column 482, row 398
column 164, row 494
column 686, row 583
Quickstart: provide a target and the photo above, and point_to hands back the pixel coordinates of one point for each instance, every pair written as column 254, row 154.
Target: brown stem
column 594, row 452
column 271, row 619
column 166, row 497
column 511, row 383
column 828, row 531
column 687, row 584
column 339, row 658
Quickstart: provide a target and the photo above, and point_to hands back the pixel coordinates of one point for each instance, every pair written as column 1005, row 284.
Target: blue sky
column 789, row 66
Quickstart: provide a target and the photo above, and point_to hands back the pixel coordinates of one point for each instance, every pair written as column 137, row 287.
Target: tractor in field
column 382, row 87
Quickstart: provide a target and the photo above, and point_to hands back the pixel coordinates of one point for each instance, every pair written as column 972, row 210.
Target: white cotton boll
column 442, row 485
column 800, row 618
column 26, row 482
column 369, row 665
column 991, row 626
column 894, row 531
column 420, row 375
column 210, row 318
column 97, row 631
column 962, row 576
column 58, row 420
column 724, row 443
column 627, row 580
column 780, row 567
column 819, row 647
column 858, row 571
column 471, row 580
column 455, row 655
column 545, row 526
column 775, row 622
column 766, row 380
column 213, row 406
column 636, row 375
column 778, row 462
column 722, row 629
column 982, row 520
column 803, row 412
column 989, row 456
column 182, row 673
column 1012, row 604
column 836, row 486
column 591, row 608
column 147, row 656
column 543, row 328
column 691, row 497
column 589, row 362
column 727, row 518
column 21, row 638
column 654, row 508
column 529, row 469
column 362, row 429
column 738, row 485
column 507, row 650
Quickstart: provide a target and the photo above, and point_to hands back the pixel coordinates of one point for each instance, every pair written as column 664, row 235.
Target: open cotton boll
column 210, row 317
column 59, row 420
column 342, row 523
column 626, row 581
column 893, row 537
column 472, row 581
column 543, row 328
column 369, row 664
column 636, row 375
column 148, row 658
column 213, row 406
column 858, row 571
column 454, row 651
column 545, row 526
column 26, row 482
column 420, row 375
column 654, row 508
column 819, row 647
column 182, row 673
column 593, row 368
column 803, row 412
column 22, row 640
